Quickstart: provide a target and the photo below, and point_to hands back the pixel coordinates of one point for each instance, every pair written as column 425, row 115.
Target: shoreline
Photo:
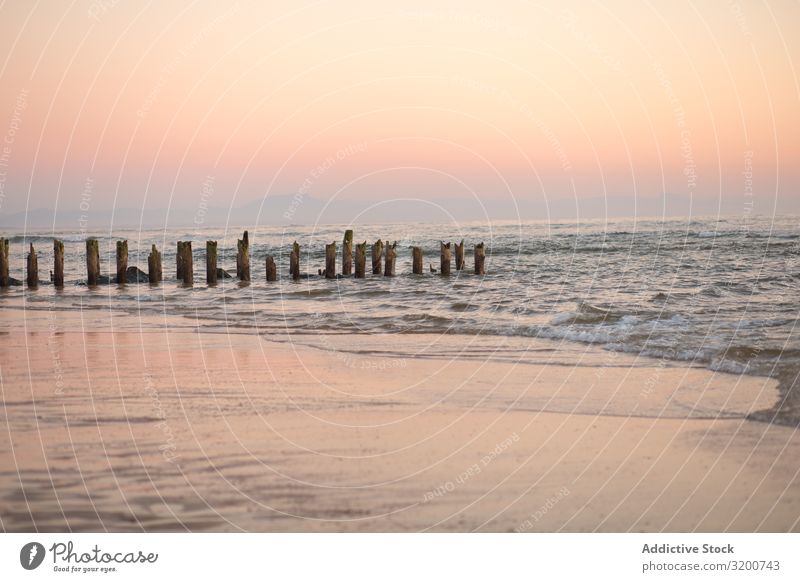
column 175, row 430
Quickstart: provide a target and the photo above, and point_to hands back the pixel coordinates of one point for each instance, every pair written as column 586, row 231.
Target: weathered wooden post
column 361, row 260
column 243, row 258
column 460, row 256
column 154, row 272
column 58, row 263
column 179, row 261
column 377, row 254
column 480, row 258
column 239, row 259
column 33, row 269
column 186, row 263
column 294, row 261
column 416, row 260
column 445, row 259
column 272, row 270
column 347, row 253
column 122, row 262
column 391, row 254
column 330, row 261
column 211, row 262
column 92, row 261
column 4, row 279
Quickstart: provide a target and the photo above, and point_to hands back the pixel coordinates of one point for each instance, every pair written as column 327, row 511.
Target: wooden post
column 243, row 258
column 122, row 262
column 239, row 259
column 92, row 261
column 391, row 254
column 211, row 262
column 347, row 253
column 179, row 261
column 445, row 259
column 186, row 264
column 480, row 258
column 330, row 261
column 460, row 256
column 377, row 254
column 361, row 260
column 4, row 279
column 58, row 263
column 33, row 269
column 272, row 270
column 416, row 260
column 294, row 261
column 154, row 273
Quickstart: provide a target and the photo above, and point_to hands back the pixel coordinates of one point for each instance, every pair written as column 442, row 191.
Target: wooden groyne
column 391, row 255
column 271, row 269
column 154, row 271
column 243, row 258
column 122, row 262
column 377, row 251
column 361, row 260
column 347, row 253
column 5, row 280
column 480, row 259
column 184, row 263
column 444, row 268
column 460, row 256
column 416, row 260
column 93, row 261
column 211, row 262
column 33, row 269
column 294, row 261
column 383, row 255
column 58, row 263
column 330, row 261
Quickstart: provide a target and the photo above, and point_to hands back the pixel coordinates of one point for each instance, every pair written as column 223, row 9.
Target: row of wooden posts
column 381, row 252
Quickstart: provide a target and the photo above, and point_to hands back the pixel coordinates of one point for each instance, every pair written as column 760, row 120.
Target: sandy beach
column 126, row 430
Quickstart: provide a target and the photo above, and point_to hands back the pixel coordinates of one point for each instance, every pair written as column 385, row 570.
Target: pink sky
column 539, row 101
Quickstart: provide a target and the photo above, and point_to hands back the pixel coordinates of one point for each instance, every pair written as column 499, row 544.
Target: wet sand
column 179, row 430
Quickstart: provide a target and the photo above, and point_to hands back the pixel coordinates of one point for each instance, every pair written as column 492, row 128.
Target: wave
column 712, row 291
column 586, row 314
column 582, row 335
column 40, row 238
column 425, row 318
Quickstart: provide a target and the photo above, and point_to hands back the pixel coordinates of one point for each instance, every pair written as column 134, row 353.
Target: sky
column 541, row 109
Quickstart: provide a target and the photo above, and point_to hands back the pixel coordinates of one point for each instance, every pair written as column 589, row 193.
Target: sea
column 716, row 292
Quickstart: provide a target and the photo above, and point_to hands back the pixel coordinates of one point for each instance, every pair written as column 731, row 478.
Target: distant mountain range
column 305, row 210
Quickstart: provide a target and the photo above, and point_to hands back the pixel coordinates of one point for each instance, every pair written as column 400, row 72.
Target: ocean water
column 718, row 292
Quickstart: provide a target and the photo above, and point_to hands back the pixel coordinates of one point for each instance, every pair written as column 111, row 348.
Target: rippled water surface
column 721, row 293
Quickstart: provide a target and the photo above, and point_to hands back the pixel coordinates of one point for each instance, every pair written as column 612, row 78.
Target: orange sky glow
column 544, row 102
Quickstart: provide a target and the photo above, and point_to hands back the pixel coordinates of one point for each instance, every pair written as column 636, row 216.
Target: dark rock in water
column 322, row 273
column 136, row 275
column 132, row 275
column 223, row 274
column 101, row 280
column 14, row 282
